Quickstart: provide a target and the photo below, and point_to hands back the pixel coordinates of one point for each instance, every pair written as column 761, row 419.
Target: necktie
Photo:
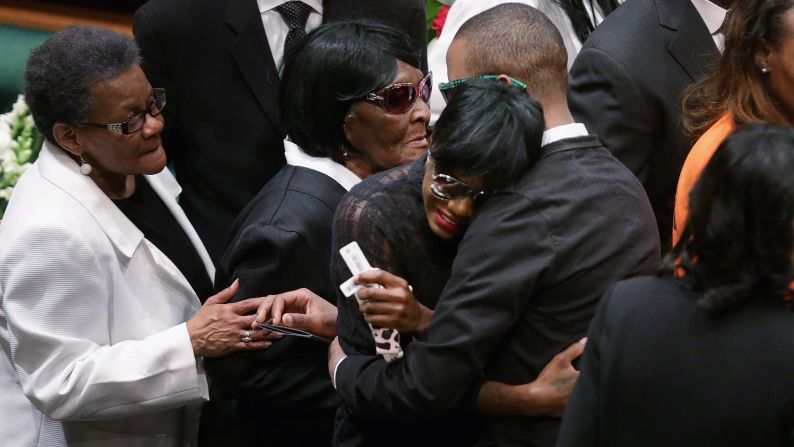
column 295, row 14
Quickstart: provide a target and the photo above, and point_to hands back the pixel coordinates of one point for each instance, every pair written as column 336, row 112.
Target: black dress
column 658, row 370
column 385, row 215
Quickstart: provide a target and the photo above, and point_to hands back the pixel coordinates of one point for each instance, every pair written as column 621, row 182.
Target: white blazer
column 95, row 349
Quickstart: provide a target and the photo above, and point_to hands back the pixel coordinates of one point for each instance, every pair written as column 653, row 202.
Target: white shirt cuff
column 336, row 368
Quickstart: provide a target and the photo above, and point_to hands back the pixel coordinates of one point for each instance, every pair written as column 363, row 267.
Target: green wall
column 15, row 47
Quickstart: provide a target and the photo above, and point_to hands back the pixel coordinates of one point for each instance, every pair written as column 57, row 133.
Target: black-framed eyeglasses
column 136, row 122
column 399, row 98
column 450, row 89
column 446, row 187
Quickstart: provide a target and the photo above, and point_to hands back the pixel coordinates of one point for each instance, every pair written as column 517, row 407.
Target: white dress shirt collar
column 267, row 5
column 563, row 132
column 324, row 165
column 713, row 15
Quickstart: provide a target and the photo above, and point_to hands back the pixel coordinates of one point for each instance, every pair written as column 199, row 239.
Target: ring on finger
column 247, row 337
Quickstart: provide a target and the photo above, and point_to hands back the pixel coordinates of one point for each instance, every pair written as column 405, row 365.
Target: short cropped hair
column 61, row 72
column 489, row 129
column 738, row 242
column 336, row 65
column 519, row 41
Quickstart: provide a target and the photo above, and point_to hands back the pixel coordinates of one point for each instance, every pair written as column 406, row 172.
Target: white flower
column 5, row 193
column 6, row 143
column 19, row 108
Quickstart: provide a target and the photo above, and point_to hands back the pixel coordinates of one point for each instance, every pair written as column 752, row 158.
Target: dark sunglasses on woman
column 399, row 98
column 447, row 187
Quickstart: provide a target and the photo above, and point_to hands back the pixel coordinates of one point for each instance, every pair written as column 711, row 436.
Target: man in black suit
column 531, row 267
column 220, row 66
column 627, row 81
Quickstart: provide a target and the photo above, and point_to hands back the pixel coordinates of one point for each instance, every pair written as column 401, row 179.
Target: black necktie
column 295, row 14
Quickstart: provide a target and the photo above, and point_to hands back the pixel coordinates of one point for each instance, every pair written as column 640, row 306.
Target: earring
column 85, row 168
column 345, row 153
column 764, row 70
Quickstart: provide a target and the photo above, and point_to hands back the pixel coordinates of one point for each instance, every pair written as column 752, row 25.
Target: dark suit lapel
column 251, row 52
column 692, row 45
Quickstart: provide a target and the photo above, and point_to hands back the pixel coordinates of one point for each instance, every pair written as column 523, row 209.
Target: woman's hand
column 392, row 306
column 547, row 395
column 300, row 309
column 219, row 327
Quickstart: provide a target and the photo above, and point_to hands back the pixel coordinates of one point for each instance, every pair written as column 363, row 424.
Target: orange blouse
column 696, row 161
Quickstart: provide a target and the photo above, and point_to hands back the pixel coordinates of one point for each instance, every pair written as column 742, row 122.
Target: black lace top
column 385, row 215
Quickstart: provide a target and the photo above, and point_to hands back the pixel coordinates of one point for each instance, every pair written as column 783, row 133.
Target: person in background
column 702, row 354
column 220, row 61
column 753, row 84
column 102, row 276
column 627, row 81
column 347, row 118
column 574, row 19
column 532, row 266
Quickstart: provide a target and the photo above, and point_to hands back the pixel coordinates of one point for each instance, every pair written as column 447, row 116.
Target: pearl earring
column 85, row 168
column 764, row 70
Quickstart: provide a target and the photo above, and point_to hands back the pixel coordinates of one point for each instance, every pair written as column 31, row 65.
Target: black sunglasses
column 399, row 98
column 447, row 187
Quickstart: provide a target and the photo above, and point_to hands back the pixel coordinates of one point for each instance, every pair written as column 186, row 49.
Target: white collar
column 267, row 5
column 324, row 165
column 563, row 132
column 711, row 13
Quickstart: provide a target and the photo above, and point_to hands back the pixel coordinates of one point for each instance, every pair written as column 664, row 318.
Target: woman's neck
column 115, row 186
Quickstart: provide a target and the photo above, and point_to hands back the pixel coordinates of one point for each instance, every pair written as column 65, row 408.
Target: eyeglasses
column 447, row 187
column 399, row 98
column 135, row 123
column 450, row 89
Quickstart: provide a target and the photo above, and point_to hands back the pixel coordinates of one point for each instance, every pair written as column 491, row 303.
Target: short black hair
column 61, row 72
column 519, row 41
column 489, row 129
column 738, row 241
column 336, row 65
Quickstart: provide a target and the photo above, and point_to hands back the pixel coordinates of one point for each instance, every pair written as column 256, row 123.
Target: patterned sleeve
column 367, row 215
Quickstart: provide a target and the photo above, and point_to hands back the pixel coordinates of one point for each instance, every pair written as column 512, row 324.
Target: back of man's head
column 516, row 40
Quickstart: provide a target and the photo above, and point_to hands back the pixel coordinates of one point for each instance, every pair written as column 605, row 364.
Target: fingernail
column 583, row 340
column 267, row 344
column 236, row 281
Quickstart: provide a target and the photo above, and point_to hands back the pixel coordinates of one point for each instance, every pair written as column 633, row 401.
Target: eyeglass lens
column 137, row 121
column 400, row 98
column 447, row 187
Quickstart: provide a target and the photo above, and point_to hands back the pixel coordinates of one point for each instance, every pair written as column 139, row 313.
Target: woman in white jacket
column 101, row 323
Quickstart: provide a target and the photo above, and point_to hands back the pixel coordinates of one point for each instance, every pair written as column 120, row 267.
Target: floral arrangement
column 20, row 144
column 436, row 13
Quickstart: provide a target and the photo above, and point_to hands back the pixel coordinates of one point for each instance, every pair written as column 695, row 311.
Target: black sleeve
column 147, row 26
column 603, row 96
column 580, row 420
column 491, row 281
column 269, row 260
column 363, row 220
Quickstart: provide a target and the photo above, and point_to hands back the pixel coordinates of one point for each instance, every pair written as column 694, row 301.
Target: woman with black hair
column 353, row 103
column 702, row 355
column 408, row 222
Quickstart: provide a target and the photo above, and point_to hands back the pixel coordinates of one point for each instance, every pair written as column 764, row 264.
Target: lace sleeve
column 368, row 215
